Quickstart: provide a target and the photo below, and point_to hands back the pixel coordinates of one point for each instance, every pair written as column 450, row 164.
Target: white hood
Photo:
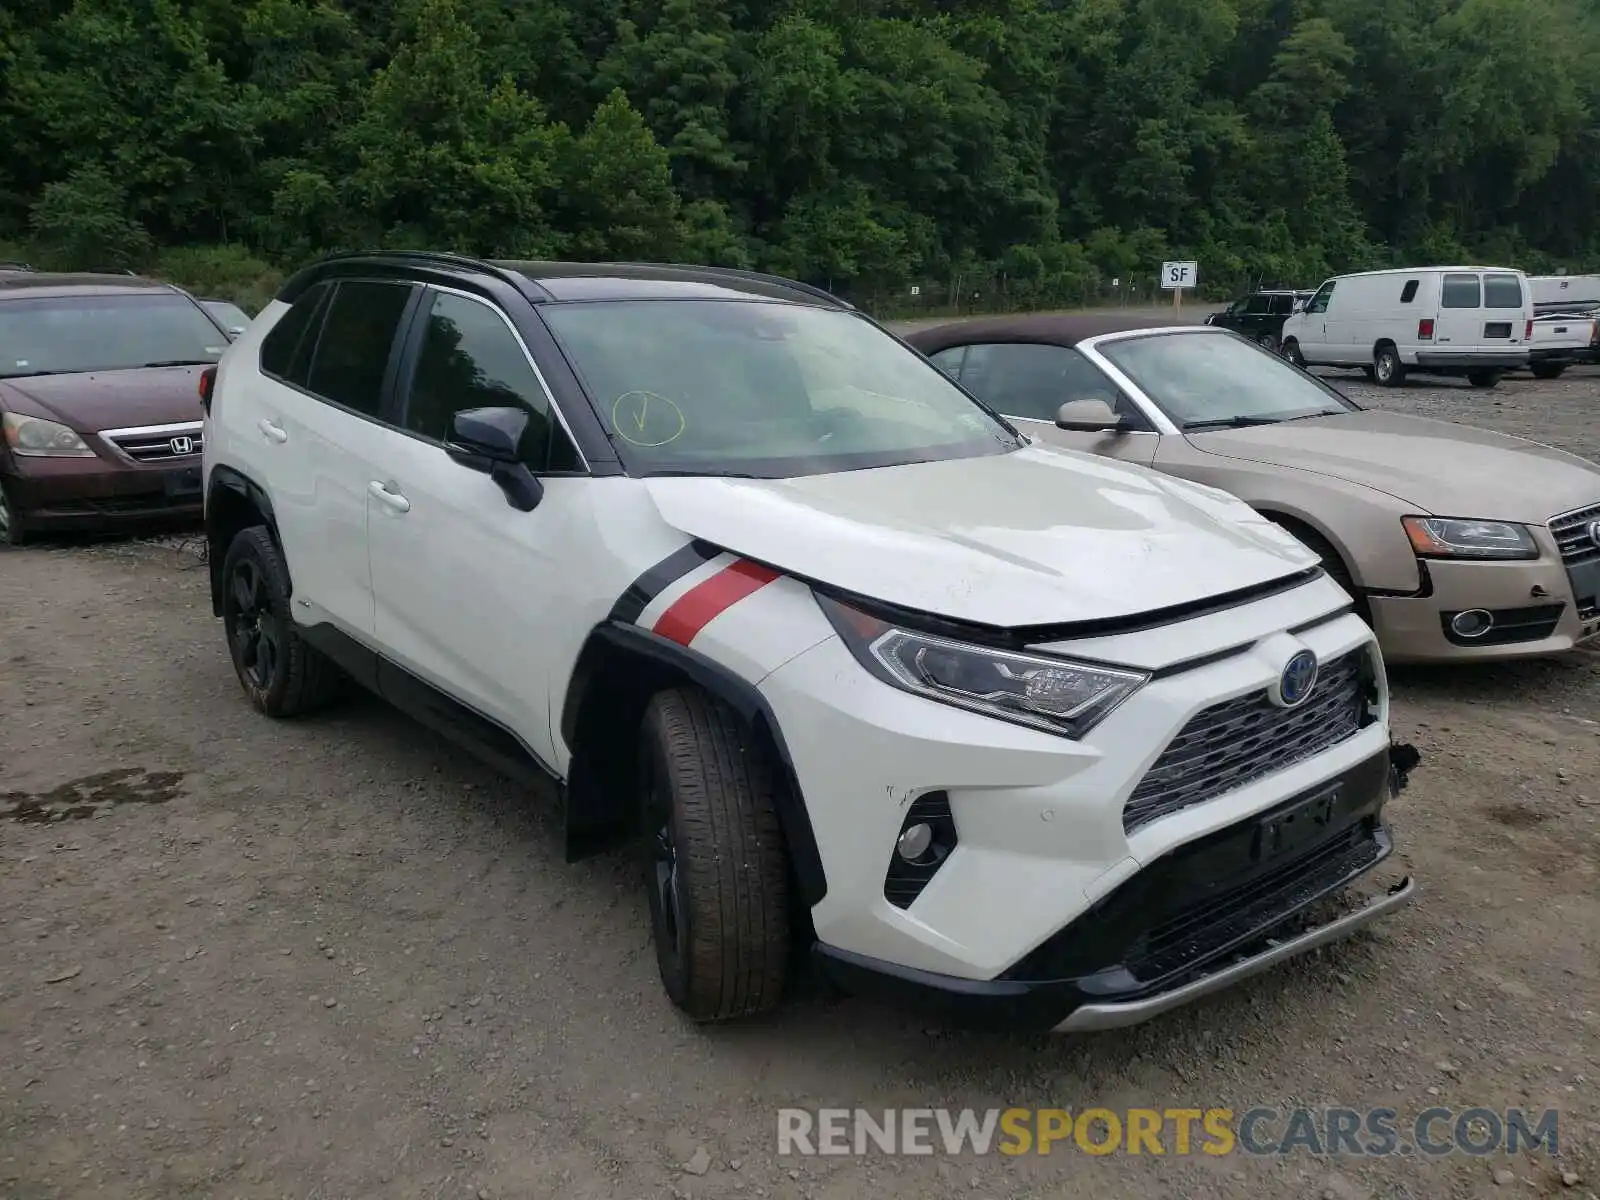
column 1037, row 537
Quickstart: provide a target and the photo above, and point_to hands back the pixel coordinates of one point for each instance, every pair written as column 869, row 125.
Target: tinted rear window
column 353, row 351
column 1502, row 291
column 1460, row 291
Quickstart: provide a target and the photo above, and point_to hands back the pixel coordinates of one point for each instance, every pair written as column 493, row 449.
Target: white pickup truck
column 1563, row 339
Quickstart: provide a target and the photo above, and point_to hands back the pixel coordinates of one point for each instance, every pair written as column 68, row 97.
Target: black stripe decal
column 658, row 578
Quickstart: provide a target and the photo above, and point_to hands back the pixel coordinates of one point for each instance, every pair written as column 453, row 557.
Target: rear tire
column 1387, row 368
column 1483, row 379
column 1268, row 342
column 715, row 861
column 280, row 673
column 13, row 531
column 1547, row 371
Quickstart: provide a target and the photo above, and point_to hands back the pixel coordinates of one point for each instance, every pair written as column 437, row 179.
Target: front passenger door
column 461, row 580
column 1028, row 382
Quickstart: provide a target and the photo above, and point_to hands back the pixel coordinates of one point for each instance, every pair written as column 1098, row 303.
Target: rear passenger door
column 318, row 428
column 462, row 579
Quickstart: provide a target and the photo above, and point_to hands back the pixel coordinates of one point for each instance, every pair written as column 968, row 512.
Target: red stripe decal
column 708, row 599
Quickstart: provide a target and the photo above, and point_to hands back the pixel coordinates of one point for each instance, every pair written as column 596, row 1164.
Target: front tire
column 715, row 862
column 1291, row 351
column 13, row 532
column 281, row 675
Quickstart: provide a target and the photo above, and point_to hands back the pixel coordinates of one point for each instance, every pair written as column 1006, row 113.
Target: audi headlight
column 1448, row 537
column 1056, row 695
column 34, row 437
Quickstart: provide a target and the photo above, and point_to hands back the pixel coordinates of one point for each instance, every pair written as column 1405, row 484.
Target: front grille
column 1245, row 739
column 163, row 444
column 1254, row 908
column 1578, row 549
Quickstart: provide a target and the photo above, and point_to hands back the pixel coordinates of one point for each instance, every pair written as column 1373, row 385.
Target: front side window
column 1033, row 381
column 63, row 335
column 1460, row 291
column 1202, row 379
column 1502, row 291
column 352, row 351
column 746, row 387
column 1319, row 302
column 471, row 359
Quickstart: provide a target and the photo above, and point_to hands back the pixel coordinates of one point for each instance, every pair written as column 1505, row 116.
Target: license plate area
column 183, row 482
column 1303, row 824
column 1497, row 329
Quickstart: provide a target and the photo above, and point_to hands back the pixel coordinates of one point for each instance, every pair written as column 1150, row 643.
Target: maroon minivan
column 100, row 381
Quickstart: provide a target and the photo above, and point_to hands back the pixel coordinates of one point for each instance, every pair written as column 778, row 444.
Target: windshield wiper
column 182, row 362
column 1232, row 422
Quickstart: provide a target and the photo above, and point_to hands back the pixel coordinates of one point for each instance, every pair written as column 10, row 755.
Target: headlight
column 34, row 437
column 1443, row 537
column 1056, row 695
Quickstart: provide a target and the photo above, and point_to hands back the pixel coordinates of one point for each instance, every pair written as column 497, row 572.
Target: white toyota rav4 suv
column 1021, row 734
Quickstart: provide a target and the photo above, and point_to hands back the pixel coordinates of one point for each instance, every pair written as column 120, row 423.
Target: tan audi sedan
column 1455, row 542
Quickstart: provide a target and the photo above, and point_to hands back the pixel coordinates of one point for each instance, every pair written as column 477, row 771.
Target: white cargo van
column 1564, row 293
column 1464, row 321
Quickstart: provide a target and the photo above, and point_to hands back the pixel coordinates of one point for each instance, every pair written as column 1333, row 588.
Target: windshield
column 731, row 387
column 1201, row 379
column 62, row 334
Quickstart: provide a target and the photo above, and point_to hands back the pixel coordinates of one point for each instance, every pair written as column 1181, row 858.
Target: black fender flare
column 230, row 481
column 591, row 808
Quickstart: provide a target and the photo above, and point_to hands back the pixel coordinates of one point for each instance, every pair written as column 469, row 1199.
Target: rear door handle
column 393, row 500
column 274, row 433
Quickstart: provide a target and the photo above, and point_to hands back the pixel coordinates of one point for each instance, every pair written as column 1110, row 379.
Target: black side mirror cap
column 490, row 440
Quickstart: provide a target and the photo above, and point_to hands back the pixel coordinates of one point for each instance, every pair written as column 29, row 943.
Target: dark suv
column 99, row 401
column 1260, row 315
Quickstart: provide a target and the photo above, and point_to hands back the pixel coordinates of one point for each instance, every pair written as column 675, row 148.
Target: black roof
column 1050, row 329
column 558, row 282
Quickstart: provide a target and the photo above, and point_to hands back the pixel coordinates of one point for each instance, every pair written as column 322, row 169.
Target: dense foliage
column 1027, row 151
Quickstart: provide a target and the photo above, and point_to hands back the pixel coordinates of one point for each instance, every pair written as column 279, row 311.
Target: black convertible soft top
column 1051, row 329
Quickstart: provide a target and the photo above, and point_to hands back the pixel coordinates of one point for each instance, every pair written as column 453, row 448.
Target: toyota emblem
column 182, row 445
column 1298, row 680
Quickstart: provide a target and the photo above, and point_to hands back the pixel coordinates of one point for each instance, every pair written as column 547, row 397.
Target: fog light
column 1473, row 623
column 914, row 842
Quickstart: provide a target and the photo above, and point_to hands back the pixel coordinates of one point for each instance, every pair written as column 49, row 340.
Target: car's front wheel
column 715, row 862
column 1291, row 351
column 280, row 673
column 12, row 530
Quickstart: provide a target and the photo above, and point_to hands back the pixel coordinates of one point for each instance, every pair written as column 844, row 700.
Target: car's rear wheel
column 1548, row 370
column 1387, row 368
column 281, row 674
column 1268, row 341
column 13, row 532
column 1484, row 379
column 715, row 862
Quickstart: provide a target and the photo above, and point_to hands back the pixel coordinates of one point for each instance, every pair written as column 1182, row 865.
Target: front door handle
column 393, row 500
column 273, row 432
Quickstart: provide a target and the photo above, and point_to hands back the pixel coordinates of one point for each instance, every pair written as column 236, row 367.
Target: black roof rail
column 439, row 256
column 809, row 289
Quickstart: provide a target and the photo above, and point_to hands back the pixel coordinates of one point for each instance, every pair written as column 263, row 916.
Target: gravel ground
column 331, row 958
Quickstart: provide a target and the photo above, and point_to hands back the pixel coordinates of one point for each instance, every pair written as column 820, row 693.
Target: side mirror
column 1089, row 416
column 1299, row 306
column 490, row 440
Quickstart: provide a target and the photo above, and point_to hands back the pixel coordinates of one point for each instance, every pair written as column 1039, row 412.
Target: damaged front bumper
column 1194, row 922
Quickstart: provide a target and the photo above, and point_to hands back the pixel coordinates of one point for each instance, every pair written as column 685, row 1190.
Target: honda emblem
column 182, row 445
